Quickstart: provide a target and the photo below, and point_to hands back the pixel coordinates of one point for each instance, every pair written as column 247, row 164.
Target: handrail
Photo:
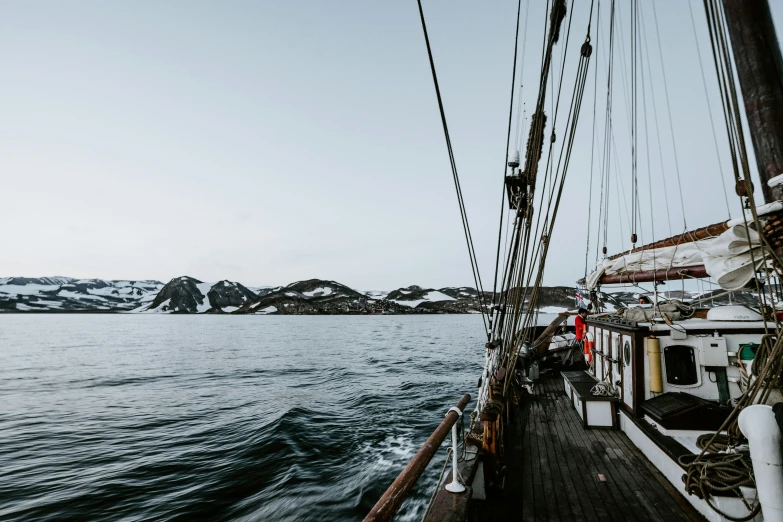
column 391, row 500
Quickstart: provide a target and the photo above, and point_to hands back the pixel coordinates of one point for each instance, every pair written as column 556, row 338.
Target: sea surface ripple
column 128, row 417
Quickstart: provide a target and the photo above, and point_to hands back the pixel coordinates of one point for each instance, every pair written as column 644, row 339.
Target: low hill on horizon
column 188, row 295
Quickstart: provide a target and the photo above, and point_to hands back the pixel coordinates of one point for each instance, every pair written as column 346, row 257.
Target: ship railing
column 393, row 498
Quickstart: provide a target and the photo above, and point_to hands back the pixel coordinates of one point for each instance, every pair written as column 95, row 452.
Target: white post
column 455, row 486
column 758, row 424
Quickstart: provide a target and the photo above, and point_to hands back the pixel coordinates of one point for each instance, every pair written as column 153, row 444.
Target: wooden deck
column 562, row 471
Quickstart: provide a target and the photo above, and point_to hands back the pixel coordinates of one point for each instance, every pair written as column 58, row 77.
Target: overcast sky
column 267, row 142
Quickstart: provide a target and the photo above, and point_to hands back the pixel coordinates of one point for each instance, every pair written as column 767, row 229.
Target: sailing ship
column 665, row 409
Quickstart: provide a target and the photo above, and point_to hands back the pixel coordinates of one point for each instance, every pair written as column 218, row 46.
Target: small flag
column 580, row 301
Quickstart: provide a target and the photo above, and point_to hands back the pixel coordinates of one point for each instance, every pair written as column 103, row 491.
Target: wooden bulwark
column 391, row 500
column 560, row 471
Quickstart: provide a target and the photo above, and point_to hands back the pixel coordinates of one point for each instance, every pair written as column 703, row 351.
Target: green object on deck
column 747, row 352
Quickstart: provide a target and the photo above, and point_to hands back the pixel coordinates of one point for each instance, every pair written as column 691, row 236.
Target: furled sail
column 731, row 258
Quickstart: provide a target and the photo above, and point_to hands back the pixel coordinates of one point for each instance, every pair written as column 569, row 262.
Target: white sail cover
column 728, row 258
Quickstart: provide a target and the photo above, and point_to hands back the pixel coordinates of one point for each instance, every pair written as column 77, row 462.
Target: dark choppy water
column 127, row 417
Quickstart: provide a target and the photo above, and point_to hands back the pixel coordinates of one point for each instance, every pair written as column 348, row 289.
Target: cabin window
column 681, row 368
column 627, row 353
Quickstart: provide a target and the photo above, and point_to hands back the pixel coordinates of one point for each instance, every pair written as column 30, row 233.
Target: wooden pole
column 649, row 276
column 760, row 70
column 686, row 237
column 541, row 344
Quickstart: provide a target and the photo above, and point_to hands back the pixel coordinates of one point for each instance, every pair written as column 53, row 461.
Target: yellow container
column 653, row 346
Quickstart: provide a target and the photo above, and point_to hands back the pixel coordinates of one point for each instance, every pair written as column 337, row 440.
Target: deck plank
column 545, row 462
column 612, row 497
column 588, row 470
column 659, row 484
column 554, row 472
column 563, row 452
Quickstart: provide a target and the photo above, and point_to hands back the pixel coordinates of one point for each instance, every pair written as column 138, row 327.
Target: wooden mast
column 760, row 70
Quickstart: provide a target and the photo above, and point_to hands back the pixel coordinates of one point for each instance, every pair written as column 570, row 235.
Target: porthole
column 681, row 367
column 627, row 353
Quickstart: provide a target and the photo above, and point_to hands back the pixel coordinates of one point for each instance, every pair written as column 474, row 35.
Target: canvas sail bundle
column 731, row 258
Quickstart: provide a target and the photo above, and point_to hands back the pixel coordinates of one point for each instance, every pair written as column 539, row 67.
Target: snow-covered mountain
column 66, row 294
column 318, row 296
column 414, row 295
column 186, row 295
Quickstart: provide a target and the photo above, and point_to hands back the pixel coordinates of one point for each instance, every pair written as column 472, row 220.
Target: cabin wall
column 610, row 360
column 707, row 385
column 620, row 353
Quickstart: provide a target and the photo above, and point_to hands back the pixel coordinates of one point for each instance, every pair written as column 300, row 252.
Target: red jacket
column 581, row 328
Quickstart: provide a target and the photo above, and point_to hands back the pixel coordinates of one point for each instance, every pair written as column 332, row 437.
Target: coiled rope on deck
column 713, row 442
column 720, row 473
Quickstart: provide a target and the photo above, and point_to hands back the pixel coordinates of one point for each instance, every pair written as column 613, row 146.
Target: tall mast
column 760, row 70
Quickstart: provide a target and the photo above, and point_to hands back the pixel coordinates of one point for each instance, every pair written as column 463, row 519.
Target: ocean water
column 128, row 417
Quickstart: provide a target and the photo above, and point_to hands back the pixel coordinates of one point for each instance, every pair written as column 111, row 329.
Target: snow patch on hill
column 205, row 305
column 69, row 294
column 319, row 292
column 432, row 296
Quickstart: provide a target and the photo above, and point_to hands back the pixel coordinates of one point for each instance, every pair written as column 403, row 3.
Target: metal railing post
column 386, row 507
column 455, row 486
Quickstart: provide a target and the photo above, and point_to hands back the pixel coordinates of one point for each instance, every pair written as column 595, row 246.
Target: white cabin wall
column 705, row 388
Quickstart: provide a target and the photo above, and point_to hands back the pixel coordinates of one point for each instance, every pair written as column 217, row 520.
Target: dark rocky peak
column 281, row 301
column 320, row 288
column 229, row 296
column 182, row 295
column 412, row 293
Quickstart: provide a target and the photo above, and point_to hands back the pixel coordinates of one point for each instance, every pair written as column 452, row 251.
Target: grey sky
column 266, row 142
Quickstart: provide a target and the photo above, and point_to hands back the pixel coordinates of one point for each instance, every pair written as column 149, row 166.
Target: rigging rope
column 669, row 111
column 517, row 258
column 709, row 111
column 731, row 470
column 505, row 164
column 463, row 214
column 592, row 146
column 607, row 154
column 657, row 131
column 649, row 169
column 520, row 105
column 539, row 254
column 634, row 129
